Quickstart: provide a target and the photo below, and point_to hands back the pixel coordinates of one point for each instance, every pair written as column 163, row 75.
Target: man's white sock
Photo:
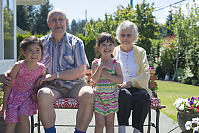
column 122, row 129
column 136, row 131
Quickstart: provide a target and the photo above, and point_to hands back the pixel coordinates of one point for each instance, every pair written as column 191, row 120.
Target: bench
column 71, row 103
column 154, row 100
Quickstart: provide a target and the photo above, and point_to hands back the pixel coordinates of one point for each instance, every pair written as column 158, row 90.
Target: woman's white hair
column 56, row 11
column 127, row 25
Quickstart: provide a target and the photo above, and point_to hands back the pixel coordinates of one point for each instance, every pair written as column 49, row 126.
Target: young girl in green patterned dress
column 106, row 74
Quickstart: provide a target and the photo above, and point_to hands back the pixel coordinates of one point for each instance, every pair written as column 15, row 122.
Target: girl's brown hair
column 103, row 37
column 30, row 41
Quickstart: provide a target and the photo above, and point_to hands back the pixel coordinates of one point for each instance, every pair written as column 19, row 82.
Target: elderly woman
column 134, row 92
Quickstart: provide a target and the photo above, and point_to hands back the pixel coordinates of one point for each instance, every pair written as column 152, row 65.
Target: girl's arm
column 96, row 71
column 118, row 78
column 7, row 89
column 37, row 84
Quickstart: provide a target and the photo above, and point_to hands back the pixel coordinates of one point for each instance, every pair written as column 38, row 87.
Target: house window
column 1, row 32
column 8, row 31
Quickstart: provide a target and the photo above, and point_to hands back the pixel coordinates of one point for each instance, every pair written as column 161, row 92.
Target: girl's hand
column 48, row 77
column 104, row 73
column 34, row 97
column 102, row 66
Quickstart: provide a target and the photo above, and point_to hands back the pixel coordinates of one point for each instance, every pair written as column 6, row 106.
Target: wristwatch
column 57, row 75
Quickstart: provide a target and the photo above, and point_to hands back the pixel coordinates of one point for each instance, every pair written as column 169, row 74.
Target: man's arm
column 70, row 74
column 73, row 74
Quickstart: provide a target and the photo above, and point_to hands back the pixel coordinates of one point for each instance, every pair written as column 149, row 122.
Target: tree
column 186, row 34
column 142, row 17
column 168, row 23
column 22, row 17
column 74, row 27
column 31, row 12
column 40, row 26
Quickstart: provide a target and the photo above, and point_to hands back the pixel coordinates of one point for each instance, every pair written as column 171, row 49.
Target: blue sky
column 76, row 9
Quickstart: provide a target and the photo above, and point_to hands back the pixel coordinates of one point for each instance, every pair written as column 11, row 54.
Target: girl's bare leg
column 109, row 123
column 10, row 127
column 24, row 124
column 99, row 123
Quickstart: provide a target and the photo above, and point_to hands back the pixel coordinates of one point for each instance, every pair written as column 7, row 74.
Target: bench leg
column 149, row 121
column 38, row 128
column 157, row 120
column 32, row 124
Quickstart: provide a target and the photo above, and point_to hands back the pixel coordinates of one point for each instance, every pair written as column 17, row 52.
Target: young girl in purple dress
column 106, row 74
column 19, row 102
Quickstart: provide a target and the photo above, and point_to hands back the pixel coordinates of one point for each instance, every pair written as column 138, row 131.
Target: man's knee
column 86, row 94
column 44, row 96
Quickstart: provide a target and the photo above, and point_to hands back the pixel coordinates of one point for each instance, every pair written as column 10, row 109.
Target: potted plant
column 193, row 125
column 188, row 108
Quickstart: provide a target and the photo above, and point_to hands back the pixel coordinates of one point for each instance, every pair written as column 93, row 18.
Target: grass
column 169, row 91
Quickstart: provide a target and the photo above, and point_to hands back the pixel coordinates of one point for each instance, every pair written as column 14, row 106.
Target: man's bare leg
column 46, row 99
column 85, row 111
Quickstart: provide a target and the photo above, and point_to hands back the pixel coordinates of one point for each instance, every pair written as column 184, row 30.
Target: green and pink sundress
column 106, row 93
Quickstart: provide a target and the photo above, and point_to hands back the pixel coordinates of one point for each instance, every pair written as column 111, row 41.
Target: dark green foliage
column 89, row 43
column 22, row 17
column 40, row 26
column 33, row 18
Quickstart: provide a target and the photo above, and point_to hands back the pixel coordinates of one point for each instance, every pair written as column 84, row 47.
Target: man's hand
column 1, row 111
column 47, row 77
column 7, row 80
column 3, row 108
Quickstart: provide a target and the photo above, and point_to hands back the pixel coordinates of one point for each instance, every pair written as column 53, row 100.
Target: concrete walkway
column 67, row 117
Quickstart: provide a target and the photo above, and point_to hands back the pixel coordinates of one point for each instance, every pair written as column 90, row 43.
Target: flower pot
column 183, row 117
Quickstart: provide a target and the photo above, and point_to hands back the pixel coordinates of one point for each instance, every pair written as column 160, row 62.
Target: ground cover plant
column 169, row 91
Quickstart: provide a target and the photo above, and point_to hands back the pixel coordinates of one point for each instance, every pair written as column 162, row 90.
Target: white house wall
column 31, row 2
column 5, row 64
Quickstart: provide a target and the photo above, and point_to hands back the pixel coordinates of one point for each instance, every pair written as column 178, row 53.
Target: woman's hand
column 126, row 84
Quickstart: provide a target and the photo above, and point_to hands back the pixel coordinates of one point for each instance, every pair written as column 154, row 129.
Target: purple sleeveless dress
column 20, row 101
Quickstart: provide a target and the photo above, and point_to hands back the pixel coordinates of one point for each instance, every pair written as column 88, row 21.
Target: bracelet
column 57, row 75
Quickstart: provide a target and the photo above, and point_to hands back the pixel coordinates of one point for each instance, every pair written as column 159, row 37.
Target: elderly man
column 66, row 62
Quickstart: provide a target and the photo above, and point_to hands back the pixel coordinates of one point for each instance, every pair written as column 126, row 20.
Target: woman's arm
column 143, row 75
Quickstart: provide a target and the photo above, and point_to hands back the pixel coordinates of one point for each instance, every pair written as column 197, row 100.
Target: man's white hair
column 56, row 11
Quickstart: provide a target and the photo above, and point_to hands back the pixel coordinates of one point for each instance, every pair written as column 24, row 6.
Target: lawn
column 169, row 91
